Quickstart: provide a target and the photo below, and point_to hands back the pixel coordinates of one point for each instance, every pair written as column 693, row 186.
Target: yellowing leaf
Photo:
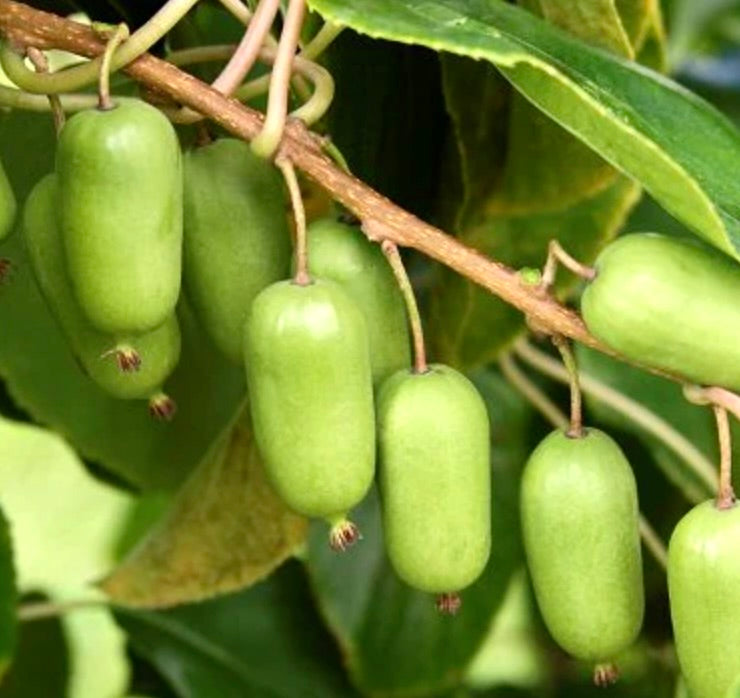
column 226, row 530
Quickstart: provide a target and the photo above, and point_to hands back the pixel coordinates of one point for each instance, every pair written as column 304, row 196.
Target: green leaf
column 516, row 197
column 226, row 530
column 64, row 525
column 44, row 379
column 266, row 642
column 686, row 154
column 468, row 325
column 597, row 22
column 511, row 654
column 398, row 156
column 393, row 640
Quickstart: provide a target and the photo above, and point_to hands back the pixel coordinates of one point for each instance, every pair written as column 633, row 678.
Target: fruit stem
column 725, row 493
column 38, row 58
column 536, row 397
column 552, row 413
column 247, row 51
column 17, row 99
column 652, row 423
column 557, row 255
column 714, row 395
column 301, row 277
column 390, row 250
column 309, row 112
column 268, row 140
column 120, row 34
column 576, row 410
column 239, row 10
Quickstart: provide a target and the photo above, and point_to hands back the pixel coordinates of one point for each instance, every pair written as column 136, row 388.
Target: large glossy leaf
column 515, row 195
column 682, row 150
column 226, row 530
column 44, row 379
column 266, row 642
column 393, row 640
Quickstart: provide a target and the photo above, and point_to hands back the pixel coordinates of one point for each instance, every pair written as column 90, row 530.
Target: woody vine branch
column 24, row 26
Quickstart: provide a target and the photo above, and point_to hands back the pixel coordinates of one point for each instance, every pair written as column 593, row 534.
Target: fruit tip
column 605, row 674
column 343, row 534
column 162, row 407
column 448, row 604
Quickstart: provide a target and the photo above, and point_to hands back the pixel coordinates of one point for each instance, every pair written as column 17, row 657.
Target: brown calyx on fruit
column 344, row 534
column 162, row 407
column 127, row 358
column 448, row 604
column 605, row 675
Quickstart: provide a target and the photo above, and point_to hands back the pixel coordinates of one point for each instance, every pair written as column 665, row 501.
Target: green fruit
column 159, row 350
column 435, row 478
column 657, row 299
column 236, row 237
column 704, row 590
column 582, row 541
column 120, row 200
column 343, row 254
column 310, row 386
column 7, row 204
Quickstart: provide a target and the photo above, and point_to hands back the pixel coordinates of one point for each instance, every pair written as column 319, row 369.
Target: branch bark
column 24, row 26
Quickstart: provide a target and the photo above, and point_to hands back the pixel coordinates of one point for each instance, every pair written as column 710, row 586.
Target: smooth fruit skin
column 582, row 541
column 310, row 386
column 704, row 590
column 120, row 200
column 8, row 204
column 236, row 240
column 435, row 478
column 344, row 254
column 159, row 350
column 657, row 300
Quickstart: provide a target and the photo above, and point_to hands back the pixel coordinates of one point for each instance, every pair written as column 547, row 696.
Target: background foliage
column 507, row 125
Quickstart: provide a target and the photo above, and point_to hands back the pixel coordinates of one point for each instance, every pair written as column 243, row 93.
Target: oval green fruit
column 343, row 254
column 582, row 541
column 435, row 478
column 8, row 204
column 120, row 202
column 704, row 590
column 310, row 386
column 159, row 349
column 656, row 299
column 236, row 239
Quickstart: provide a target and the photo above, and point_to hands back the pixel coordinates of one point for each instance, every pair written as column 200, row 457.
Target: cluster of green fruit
column 663, row 302
column 124, row 217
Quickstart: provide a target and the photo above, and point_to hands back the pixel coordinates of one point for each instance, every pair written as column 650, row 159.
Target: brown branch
column 25, row 26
